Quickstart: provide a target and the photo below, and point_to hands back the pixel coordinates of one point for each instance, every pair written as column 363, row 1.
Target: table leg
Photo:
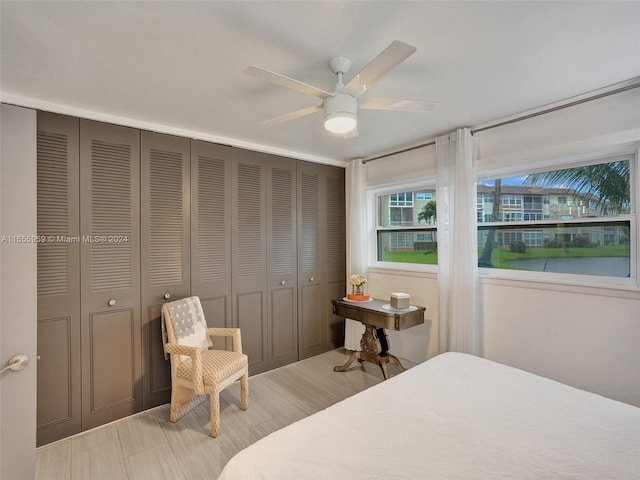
column 354, row 356
column 383, row 366
column 394, row 361
column 374, row 350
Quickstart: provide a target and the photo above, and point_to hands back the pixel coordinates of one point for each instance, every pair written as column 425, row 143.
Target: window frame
column 630, row 153
column 373, row 203
column 485, row 170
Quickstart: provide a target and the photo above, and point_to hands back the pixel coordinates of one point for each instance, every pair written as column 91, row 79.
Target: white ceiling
column 177, row 66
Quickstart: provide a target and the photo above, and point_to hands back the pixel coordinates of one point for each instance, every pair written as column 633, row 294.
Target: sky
column 506, row 181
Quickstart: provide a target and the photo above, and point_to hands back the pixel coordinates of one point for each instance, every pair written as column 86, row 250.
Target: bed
column 455, row 416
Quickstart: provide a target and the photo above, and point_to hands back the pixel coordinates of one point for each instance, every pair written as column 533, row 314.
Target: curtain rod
column 517, row 119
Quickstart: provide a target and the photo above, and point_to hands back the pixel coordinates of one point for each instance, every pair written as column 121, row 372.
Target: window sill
column 406, row 269
column 593, row 285
column 599, row 286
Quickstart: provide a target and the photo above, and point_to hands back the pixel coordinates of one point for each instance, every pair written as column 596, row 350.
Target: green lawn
column 500, row 257
column 411, row 257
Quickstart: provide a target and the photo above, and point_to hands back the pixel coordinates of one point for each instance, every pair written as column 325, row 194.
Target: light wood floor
column 147, row 446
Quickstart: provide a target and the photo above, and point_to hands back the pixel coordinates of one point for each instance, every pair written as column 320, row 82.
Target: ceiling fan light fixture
column 340, row 113
column 341, row 122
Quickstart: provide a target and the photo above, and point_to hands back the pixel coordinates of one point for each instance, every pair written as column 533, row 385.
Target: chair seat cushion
column 217, row 365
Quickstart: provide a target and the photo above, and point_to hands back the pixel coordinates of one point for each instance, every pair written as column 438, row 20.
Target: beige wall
column 587, row 337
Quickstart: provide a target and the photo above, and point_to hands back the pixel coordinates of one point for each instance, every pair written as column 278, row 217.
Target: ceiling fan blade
column 397, row 104
column 283, row 81
column 387, row 60
column 291, row 115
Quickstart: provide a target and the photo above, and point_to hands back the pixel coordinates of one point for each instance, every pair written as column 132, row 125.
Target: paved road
column 609, row 266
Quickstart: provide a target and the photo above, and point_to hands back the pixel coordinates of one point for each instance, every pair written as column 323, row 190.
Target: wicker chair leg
column 214, row 399
column 244, row 392
column 183, row 400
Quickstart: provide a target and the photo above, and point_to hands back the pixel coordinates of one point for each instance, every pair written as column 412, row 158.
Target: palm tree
column 484, row 260
column 428, row 213
column 609, row 182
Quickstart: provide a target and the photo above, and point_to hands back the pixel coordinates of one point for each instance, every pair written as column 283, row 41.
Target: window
column 425, row 237
column 576, row 220
column 511, row 216
column 532, row 238
column 406, row 227
column 401, row 241
column 401, row 209
column 579, row 220
column 424, row 196
column 511, row 200
column 532, row 203
column 404, row 199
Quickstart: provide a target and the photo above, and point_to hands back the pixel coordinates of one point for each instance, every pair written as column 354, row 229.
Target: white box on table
column 400, row 300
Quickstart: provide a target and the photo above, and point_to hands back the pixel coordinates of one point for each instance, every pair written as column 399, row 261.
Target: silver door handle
column 166, row 296
column 282, row 282
column 311, row 279
column 16, row 363
column 112, row 302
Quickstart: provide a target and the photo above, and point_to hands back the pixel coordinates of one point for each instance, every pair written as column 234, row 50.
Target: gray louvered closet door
column 211, row 232
column 311, row 288
column 335, row 253
column 249, row 264
column 110, row 272
column 164, row 183
column 321, row 256
column 282, row 261
column 58, row 402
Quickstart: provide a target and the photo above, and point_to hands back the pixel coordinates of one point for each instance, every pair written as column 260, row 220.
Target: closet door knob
column 166, row 296
column 282, row 282
column 111, row 302
column 311, row 279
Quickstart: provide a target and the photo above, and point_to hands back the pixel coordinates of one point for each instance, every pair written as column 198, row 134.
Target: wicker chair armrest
column 196, row 363
column 177, row 349
column 234, row 333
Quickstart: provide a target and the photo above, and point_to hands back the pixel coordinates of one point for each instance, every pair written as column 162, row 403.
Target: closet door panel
column 249, row 263
column 311, row 328
column 58, row 222
column 110, row 272
column 109, row 329
column 282, row 261
column 335, row 253
column 165, row 232
column 311, row 289
column 283, row 327
column 211, row 232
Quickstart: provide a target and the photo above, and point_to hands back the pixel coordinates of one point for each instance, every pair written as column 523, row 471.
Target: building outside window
column 401, row 209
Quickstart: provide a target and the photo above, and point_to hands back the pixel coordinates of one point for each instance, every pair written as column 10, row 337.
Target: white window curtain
column 456, row 199
column 356, row 204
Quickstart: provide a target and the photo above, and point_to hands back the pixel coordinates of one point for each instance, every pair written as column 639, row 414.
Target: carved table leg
column 375, row 349
column 394, row 361
column 354, row 356
column 383, row 366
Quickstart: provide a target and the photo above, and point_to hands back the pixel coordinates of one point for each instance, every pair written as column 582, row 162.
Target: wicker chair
column 196, row 370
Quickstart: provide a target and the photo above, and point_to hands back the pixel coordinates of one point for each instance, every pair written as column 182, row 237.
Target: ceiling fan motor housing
column 340, row 112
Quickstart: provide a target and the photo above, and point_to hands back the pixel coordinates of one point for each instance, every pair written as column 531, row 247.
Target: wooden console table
column 377, row 315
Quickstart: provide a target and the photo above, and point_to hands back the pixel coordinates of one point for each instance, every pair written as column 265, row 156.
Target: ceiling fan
column 341, row 106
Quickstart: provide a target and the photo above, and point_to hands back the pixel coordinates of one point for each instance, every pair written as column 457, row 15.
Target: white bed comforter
column 454, row 417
